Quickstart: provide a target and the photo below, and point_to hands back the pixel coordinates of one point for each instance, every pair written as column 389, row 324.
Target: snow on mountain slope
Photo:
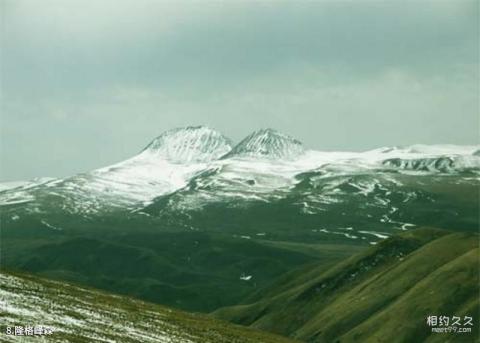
column 191, row 144
column 246, row 176
column 433, row 164
column 267, row 143
column 24, row 184
column 13, row 184
column 358, row 190
column 462, row 157
column 428, row 158
column 164, row 166
column 437, row 149
column 198, row 165
column 75, row 314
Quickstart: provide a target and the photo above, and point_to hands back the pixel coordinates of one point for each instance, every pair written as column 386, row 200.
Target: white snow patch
column 376, row 234
column 245, row 277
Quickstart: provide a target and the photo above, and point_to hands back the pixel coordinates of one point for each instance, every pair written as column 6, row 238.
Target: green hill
column 383, row 294
column 192, row 271
column 86, row 315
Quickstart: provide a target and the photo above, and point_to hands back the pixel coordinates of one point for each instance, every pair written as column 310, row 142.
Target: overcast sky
column 88, row 83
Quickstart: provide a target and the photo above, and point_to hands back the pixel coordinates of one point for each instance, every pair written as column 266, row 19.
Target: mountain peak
column 190, row 144
column 268, row 143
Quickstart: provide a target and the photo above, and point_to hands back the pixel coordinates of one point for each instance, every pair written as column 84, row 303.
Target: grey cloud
column 91, row 82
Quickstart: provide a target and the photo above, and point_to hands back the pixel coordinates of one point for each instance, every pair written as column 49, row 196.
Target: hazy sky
column 87, row 83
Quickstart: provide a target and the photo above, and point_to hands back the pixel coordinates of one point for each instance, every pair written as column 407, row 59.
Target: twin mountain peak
column 203, row 144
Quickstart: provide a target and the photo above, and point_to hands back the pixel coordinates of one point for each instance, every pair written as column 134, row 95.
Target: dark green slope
column 383, row 294
column 194, row 271
column 80, row 315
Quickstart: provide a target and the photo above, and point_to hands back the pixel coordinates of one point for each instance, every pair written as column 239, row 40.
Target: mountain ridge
column 265, row 165
column 365, row 297
column 269, row 144
column 190, row 144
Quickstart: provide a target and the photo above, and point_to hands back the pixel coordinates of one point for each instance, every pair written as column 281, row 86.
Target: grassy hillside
column 86, row 315
column 189, row 270
column 383, row 294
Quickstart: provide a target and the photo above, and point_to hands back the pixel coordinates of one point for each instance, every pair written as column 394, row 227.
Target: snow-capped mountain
column 268, row 143
column 184, row 171
column 190, row 144
column 165, row 165
column 244, row 173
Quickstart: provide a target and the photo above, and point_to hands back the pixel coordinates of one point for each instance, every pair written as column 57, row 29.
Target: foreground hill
column 383, row 294
column 85, row 315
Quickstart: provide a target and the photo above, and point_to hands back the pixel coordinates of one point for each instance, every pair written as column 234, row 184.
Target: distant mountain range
column 266, row 233
column 197, row 168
